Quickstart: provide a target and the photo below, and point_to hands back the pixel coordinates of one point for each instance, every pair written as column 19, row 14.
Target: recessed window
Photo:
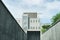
column 30, row 20
column 39, row 27
column 36, row 27
column 33, row 27
column 36, row 21
column 33, row 20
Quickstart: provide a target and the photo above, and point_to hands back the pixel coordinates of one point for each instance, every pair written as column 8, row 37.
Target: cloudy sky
column 45, row 8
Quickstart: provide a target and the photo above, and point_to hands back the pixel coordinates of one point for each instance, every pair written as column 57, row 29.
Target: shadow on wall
column 9, row 28
column 33, row 35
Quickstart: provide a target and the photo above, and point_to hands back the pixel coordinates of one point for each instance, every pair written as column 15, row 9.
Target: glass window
column 33, row 27
column 36, row 27
column 25, row 23
column 25, row 18
column 33, row 20
column 39, row 27
column 30, row 20
column 36, row 21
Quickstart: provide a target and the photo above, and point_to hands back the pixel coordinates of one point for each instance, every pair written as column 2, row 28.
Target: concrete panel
column 53, row 33
column 9, row 28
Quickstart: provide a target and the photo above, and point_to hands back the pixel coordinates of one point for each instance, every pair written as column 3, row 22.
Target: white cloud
column 48, row 16
column 53, row 5
column 32, row 6
column 33, row 2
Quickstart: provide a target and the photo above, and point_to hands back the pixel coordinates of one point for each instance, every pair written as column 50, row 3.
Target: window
column 25, row 23
column 33, row 20
column 39, row 27
column 36, row 27
column 33, row 27
column 36, row 21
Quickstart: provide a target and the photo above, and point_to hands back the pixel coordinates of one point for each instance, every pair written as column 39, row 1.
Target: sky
column 46, row 9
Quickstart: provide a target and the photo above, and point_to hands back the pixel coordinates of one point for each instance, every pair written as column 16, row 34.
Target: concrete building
column 31, row 14
column 25, row 23
column 32, row 25
column 30, row 21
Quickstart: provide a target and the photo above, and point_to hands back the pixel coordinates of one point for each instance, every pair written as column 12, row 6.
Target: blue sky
column 46, row 8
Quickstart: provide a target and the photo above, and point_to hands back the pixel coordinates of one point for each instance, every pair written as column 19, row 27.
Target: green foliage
column 46, row 26
column 43, row 30
column 55, row 18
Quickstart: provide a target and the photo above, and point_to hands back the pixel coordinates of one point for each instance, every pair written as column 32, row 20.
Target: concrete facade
column 33, row 32
column 53, row 33
column 34, row 23
column 25, row 23
column 31, row 21
column 9, row 28
column 31, row 14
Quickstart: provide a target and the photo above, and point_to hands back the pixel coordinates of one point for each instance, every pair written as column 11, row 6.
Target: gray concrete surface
column 33, row 35
column 9, row 28
column 53, row 33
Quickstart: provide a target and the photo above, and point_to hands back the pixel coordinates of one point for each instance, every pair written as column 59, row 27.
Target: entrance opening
column 33, row 35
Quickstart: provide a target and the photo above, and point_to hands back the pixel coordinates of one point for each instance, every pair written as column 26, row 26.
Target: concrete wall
column 9, row 28
column 33, row 35
column 53, row 33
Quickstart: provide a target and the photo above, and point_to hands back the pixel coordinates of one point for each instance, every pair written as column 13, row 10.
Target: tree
column 56, row 18
column 43, row 30
column 47, row 26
